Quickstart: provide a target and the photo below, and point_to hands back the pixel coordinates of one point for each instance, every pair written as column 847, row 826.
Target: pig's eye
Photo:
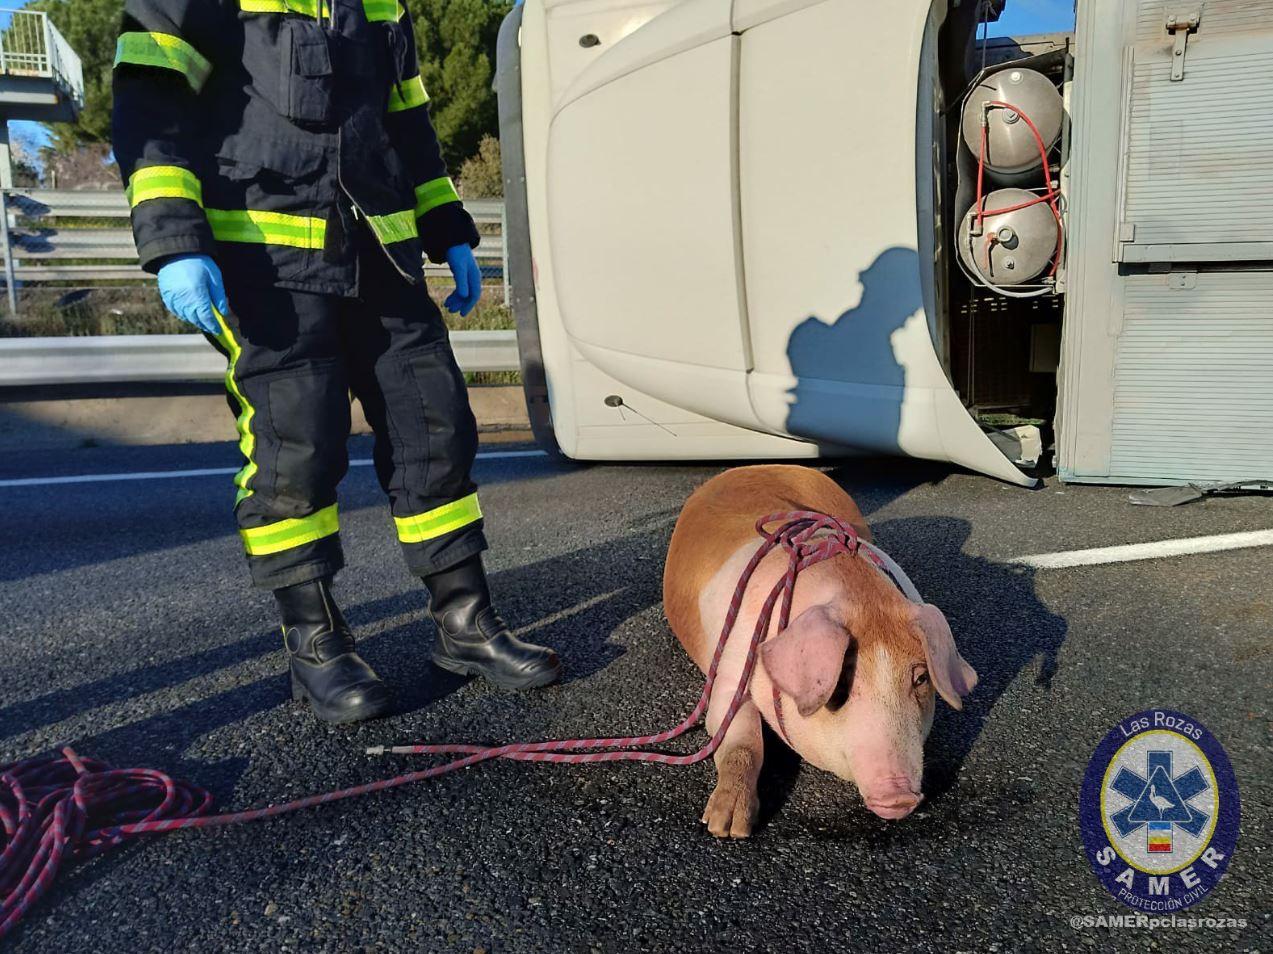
column 920, row 677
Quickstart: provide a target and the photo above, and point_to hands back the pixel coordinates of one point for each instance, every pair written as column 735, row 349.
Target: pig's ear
column 950, row 672
column 805, row 659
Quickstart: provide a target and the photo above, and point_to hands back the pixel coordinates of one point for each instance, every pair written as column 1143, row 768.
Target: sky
column 1020, row 16
column 1034, row 16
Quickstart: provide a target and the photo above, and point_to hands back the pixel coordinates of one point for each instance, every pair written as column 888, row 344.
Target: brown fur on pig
column 874, row 735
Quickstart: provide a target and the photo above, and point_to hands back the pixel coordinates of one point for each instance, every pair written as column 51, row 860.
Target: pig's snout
column 892, row 798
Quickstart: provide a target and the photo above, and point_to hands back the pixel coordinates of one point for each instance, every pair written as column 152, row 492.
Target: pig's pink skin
column 872, row 735
column 876, row 739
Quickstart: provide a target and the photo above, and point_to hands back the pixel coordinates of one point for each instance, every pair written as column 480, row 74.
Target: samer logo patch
column 1159, row 811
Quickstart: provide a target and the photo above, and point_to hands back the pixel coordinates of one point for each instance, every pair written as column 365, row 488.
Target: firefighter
column 285, row 182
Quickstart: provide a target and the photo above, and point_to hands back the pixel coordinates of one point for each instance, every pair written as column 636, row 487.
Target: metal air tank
column 1011, row 149
column 1011, row 247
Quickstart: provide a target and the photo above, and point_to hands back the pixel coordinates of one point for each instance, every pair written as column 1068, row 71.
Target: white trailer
column 795, row 228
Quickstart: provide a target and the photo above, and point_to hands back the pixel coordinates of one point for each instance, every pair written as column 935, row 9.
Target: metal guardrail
column 94, row 203
column 32, row 248
column 131, row 359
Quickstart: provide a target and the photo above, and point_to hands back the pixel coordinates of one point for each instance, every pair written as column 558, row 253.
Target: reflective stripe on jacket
column 238, row 124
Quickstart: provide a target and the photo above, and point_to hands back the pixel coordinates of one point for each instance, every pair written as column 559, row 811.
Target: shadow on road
column 594, row 592
column 1001, row 627
column 54, row 707
column 55, row 528
column 875, row 482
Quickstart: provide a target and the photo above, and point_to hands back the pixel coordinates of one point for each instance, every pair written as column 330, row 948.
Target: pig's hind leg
column 733, row 806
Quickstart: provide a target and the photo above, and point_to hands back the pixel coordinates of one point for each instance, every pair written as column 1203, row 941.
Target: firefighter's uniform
column 290, row 140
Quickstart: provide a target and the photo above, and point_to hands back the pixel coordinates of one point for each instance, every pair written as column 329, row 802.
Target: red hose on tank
column 1049, row 197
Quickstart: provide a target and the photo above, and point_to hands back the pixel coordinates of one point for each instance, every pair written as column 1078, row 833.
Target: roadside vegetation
column 456, row 43
column 137, row 310
column 455, row 40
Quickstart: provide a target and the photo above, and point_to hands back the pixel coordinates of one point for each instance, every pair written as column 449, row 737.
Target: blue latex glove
column 468, row 280
column 191, row 286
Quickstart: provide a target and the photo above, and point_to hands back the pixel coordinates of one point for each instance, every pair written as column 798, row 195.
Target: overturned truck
column 796, row 228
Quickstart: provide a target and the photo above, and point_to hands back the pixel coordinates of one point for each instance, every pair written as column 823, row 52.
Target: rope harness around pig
column 66, row 808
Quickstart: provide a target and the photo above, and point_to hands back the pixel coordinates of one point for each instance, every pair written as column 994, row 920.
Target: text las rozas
column 1161, row 720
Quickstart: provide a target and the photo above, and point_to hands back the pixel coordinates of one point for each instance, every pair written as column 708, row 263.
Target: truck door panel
column 642, row 199
column 838, row 281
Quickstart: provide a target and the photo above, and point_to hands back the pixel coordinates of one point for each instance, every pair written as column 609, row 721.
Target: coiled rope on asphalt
column 66, row 808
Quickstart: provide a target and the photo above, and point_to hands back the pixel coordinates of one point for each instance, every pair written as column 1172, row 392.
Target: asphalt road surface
column 126, row 628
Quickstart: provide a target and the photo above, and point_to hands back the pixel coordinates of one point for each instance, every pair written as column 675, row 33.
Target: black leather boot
column 472, row 639
column 325, row 669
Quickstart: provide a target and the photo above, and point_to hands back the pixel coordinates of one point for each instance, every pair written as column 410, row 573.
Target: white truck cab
column 794, row 228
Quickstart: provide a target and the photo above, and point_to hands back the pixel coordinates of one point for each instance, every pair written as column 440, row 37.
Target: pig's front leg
column 731, row 811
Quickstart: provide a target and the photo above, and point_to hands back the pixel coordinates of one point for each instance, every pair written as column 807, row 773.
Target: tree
column 87, row 167
column 456, row 44
column 481, row 175
column 455, row 38
column 91, row 27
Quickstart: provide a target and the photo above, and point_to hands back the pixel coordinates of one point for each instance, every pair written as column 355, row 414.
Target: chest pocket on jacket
column 305, row 72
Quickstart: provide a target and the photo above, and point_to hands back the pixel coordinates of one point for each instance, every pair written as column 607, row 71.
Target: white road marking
column 529, row 629
column 1154, row 550
column 205, row 472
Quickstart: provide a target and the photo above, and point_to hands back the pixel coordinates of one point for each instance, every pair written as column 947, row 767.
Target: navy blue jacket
column 261, row 131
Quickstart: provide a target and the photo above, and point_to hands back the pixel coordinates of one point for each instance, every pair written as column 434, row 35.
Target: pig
column 859, row 665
